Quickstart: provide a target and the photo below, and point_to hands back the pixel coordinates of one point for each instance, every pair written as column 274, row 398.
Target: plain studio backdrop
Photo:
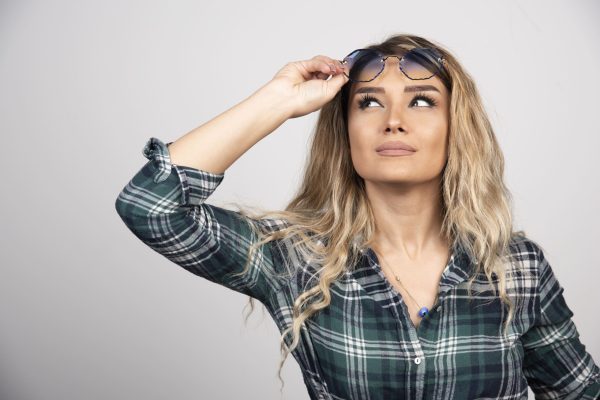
column 87, row 311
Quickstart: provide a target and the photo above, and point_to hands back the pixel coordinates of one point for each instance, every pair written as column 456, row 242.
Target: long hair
column 330, row 216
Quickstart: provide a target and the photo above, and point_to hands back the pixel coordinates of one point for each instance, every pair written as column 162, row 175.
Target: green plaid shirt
column 364, row 345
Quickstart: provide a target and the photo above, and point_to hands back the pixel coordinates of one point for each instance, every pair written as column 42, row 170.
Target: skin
column 404, row 190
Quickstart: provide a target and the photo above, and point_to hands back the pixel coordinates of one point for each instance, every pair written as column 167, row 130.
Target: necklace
column 423, row 311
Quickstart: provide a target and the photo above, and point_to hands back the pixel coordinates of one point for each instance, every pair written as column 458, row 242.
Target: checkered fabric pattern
column 364, row 345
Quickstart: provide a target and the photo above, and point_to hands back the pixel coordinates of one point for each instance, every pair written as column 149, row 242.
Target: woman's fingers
column 301, row 83
column 334, row 65
column 320, row 67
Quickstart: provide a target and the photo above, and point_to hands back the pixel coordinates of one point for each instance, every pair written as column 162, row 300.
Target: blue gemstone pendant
column 423, row 312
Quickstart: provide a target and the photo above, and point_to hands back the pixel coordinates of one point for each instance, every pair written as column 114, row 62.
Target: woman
column 395, row 271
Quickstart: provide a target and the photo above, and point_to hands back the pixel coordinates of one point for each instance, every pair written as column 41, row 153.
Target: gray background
column 87, row 311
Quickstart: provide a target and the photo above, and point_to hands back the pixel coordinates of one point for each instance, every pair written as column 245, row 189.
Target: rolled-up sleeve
column 164, row 206
column 556, row 363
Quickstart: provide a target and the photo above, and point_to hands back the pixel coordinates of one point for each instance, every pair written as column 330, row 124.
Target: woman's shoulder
column 523, row 248
column 271, row 224
column 528, row 259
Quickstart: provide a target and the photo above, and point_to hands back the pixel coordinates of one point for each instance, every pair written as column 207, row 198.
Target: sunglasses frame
column 440, row 60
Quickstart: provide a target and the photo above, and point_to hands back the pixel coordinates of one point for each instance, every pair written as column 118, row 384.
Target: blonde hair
column 330, row 216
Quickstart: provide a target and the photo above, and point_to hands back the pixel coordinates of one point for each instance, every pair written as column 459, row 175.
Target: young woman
column 395, row 271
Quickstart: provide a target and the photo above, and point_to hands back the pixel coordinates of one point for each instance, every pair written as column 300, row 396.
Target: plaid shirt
column 364, row 345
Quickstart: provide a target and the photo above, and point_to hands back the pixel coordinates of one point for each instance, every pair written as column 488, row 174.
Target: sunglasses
column 364, row 65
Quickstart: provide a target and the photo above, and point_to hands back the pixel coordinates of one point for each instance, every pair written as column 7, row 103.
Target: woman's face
column 399, row 111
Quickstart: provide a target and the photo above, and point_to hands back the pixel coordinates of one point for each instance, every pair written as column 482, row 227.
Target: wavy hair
column 330, row 217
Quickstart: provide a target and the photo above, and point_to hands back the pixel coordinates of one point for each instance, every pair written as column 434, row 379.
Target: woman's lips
column 395, row 152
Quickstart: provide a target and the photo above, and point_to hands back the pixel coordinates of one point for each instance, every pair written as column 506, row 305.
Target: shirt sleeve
column 164, row 206
column 556, row 364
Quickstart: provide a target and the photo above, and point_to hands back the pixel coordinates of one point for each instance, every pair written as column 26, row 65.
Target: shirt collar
column 369, row 275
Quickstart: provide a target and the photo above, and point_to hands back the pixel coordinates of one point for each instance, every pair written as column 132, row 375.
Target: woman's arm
column 164, row 204
column 556, row 363
column 297, row 89
column 217, row 144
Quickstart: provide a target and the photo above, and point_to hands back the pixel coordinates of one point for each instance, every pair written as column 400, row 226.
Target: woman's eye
column 366, row 100
column 428, row 101
column 424, row 102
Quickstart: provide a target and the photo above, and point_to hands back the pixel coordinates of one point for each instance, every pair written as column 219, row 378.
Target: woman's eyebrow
column 411, row 88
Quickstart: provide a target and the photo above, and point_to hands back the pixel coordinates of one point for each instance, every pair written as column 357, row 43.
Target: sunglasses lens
column 419, row 63
column 363, row 65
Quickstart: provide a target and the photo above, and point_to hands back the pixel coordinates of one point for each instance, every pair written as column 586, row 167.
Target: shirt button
column 417, row 360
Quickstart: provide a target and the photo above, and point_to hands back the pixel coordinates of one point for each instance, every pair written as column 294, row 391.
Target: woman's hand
column 305, row 84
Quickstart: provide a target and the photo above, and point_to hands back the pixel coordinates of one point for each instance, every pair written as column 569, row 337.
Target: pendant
column 423, row 312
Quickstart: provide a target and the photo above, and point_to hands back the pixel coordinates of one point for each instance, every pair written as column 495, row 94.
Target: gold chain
column 404, row 287
column 398, row 279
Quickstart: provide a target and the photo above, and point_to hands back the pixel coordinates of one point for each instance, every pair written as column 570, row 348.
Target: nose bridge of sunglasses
column 392, row 60
column 390, row 63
